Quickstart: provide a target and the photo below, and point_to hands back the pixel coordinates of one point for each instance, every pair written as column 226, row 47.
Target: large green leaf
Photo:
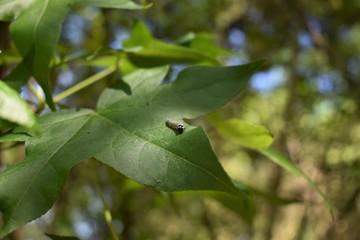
column 15, row 109
column 127, row 132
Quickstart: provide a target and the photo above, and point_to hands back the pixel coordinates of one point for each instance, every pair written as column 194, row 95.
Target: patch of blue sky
column 304, row 40
column 315, row 23
column 120, row 34
column 328, row 83
column 83, row 229
column 234, row 61
column 174, row 72
column 237, row 38
column 267, row 81
column 73, row 30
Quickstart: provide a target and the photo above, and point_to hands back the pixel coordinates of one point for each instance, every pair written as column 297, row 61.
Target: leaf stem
column 83, row 84
column 107, row 212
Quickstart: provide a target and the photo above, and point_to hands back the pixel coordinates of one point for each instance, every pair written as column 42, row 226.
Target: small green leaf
column 285, row 163
column 15, row 109
column 145, row 51
column 140, row 36
column 246, row 134
column 204, row 42
column 243, row 133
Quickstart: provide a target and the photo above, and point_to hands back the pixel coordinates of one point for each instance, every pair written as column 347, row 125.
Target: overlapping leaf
column 13, row 108
column 259, row 138
column 36, row 32
column 127, row 132
column 242, row 133
column 146, row 51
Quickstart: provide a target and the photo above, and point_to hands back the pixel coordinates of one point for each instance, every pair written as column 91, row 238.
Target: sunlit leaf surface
column 128, row 133
column 13, row 108
column 242, row 133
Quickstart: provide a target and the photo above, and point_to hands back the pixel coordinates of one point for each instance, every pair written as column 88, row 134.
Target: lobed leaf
column 128, row 133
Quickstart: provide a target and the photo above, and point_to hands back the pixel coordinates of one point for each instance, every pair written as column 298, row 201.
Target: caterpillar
column 178, row 128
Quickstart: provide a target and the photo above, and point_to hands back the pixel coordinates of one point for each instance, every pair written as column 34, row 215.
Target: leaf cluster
column 127, row 130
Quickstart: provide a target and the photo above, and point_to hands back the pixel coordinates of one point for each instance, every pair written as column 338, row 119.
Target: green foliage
column 146, row 51
column 128, row 133
column 289, row 166
column 259, row 138
column 20, row 112
column 243, row 133
column 36, row 32
column 127, row 129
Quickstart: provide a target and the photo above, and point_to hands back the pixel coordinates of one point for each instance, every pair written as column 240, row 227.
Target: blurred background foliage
column 307, row 95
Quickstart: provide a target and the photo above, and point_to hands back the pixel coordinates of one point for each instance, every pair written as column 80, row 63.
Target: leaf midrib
column 232, row 190
column 39, row 18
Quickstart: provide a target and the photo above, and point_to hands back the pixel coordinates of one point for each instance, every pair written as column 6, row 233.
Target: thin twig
column 83, row 84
